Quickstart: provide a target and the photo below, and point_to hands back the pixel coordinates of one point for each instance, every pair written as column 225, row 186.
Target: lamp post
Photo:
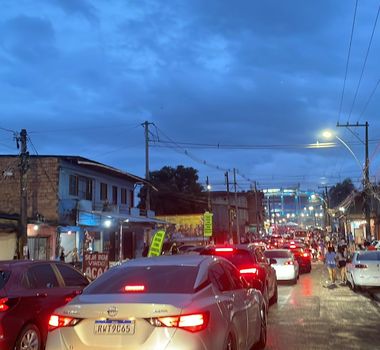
column 365, row 171
column 326, row 205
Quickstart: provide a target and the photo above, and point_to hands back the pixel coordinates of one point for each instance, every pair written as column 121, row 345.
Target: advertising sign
column 157, row 242
column 207, row 224
column 94, row 264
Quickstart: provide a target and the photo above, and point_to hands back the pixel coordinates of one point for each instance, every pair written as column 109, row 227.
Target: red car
column 29, row 292
column 252, row 264
column 302, row 254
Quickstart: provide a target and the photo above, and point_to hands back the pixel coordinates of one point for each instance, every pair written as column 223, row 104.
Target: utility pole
column 236, row 210
column 23, row 220
column 228, row 204
column 147, row 176
column 366, row 182
column 326, row 205
column 257, row 210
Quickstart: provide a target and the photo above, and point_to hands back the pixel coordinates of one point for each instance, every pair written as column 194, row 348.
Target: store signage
column 94, row 264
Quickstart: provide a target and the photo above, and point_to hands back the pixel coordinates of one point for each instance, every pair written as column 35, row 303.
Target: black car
column 252, row 264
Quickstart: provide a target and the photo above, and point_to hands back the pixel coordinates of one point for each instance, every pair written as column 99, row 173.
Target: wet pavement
column 312, row 316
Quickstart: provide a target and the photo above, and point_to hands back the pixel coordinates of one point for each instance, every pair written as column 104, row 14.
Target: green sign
column 157, row 242
column 207, row 224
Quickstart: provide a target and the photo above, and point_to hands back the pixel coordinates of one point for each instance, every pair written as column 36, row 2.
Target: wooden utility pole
column 228, row 204
column 23, row 219
column 147, row 175
column 237, row 211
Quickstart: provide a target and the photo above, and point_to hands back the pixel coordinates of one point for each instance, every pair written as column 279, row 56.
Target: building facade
column 72, row 203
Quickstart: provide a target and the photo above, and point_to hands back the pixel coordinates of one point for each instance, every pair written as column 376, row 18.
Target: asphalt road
column 309, row 316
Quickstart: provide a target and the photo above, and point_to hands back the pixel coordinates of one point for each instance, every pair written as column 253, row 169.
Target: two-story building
column 72, row 202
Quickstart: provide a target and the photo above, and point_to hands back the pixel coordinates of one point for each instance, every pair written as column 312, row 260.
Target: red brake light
column 193, row 322
column 3, row 304
column 225, row 250
column 361, row 266
column 305, row 255
column 134, row 288
column 57, row 321
column 292, row 246
column 289, row 262
column 251, row 270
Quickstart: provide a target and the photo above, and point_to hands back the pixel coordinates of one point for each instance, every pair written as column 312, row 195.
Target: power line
column 369, row 99
column 348, row 60
column 365, row 63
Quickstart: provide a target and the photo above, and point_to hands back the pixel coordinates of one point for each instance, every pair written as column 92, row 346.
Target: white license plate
column 114, row 327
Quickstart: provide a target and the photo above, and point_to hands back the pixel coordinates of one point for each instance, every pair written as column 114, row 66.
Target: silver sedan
column 169, row 302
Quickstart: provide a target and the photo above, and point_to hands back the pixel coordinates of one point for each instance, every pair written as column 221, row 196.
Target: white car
column 363, row 270
column 169, row 302
column 283, row 261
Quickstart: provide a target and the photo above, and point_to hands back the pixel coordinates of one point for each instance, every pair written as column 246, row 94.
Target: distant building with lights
column 293, row 206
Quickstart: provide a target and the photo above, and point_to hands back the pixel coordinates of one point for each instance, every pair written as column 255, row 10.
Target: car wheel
column 266, row 294
column 263, row 331
column 29, row 338
column 230, row 344
column 308, row 269
column 274, row 298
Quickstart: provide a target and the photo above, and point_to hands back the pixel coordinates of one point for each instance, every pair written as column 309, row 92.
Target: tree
column 178, row 191
column 340, row 192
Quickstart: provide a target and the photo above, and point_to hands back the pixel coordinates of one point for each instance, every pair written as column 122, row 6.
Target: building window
column 73, row 185
column 131, row 204
column 114, row 194
column 103, row 192
column 85, row 188
column 123, row 196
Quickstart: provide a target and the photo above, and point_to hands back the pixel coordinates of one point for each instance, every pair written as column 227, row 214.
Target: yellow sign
column 207, row 224
column 157, row 242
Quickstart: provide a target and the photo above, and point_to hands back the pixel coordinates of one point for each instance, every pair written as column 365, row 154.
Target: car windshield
column 368, row 256
column 272, row 254
column 155, row 279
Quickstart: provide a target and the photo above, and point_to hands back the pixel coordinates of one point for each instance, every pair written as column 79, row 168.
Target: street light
column 365, row 170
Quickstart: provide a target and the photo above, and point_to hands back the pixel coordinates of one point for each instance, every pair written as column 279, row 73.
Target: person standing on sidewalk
column 342, row 261
column 330, row 261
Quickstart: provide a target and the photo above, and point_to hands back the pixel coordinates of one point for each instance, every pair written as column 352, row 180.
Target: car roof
column 164, row 260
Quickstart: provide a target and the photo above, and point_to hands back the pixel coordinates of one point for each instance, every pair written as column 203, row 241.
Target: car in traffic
column 284, row 263
column 167, row 302
column 29, row 292
column 252, row 264
column 302, row 254
column 363, row 269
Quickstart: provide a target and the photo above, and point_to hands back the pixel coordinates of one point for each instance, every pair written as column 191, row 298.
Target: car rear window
column 238, row 257
column 155, row 279
column 270, row 254
column 4, row 277
column 368, row 256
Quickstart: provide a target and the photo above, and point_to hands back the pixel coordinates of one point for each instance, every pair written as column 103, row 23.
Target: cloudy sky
column 226, row 84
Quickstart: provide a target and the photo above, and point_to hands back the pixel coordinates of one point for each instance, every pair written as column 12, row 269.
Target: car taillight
column 193, row 322
column 7, row 303
column 289, row 262
column 250, row 271
column 305, row 255
column 57, row 321
column 134, row 288
column 224, row 250
column 292, row 246
column 361, row 266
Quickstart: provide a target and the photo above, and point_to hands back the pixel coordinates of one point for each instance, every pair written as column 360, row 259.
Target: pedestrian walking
column 342, row 261
column 330, row 261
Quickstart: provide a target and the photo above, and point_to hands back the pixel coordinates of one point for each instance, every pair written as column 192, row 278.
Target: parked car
column 363, row 270
column 167, row 302
column 29, row 292
column 252, row 264
column 285, row 264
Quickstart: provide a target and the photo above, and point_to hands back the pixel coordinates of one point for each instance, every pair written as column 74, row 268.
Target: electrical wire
column 365, row 63
column 348, row 61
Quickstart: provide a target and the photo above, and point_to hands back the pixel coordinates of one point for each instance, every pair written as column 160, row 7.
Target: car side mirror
column 272, row 261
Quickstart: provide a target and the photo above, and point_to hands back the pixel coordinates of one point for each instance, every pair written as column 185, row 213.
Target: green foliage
column 178, row 191
column 339, row 192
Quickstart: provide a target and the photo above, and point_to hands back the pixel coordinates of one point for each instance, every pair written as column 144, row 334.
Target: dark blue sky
column 261, row 79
